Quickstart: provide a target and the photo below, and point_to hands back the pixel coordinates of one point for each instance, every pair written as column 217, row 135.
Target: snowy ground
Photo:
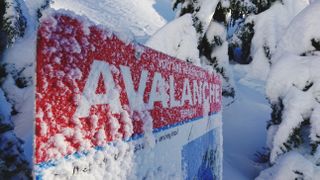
column 244, row 128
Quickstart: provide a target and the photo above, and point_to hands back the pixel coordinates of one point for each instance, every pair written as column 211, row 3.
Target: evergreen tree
column 211, row 34
column 13, row 18
column 293, row 130
column 240, row 43
column 13, row 22
column 13, row 163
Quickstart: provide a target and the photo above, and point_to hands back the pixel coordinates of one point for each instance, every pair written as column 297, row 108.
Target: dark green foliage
column 187, row 6
column 20, row 79
column 300, row 175
column 314, row 147
column 198, row 25
column 245, row 34
column 262, row 156
column 3, row 73
column 262, row 5
column 12, row 164
column 2, row 9
column 176, row 3
column 191, row 7
column 240, row 9
column 3, row 35
column 296, row 138
column 276, row 113
column 188, row 9
column 5, row 125
column 14, row 26
column 220, row 14
column 316, row 44
column 267, row 52
column 307, row 86
column 44, row 6
column 206, row 48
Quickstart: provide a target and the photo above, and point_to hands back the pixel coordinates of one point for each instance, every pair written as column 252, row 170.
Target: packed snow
column 177, row 39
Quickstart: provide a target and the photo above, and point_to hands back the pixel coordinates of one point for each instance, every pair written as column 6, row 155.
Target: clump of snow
column 206, row 11
column 269, row 28
column 178, row 39
column 217, row 33
column 291, row 166
column 296, row 39
column 128, row 126
column 113, row 161
column 202, row 12
column 5, row 110
column 287, row 81
column 135, row 17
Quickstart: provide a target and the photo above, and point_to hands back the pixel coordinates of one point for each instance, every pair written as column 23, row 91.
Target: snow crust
column 114, row 161
column 136, row 18
column 178, row 39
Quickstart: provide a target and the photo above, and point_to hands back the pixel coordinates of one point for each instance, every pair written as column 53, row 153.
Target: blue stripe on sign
column 78, row 155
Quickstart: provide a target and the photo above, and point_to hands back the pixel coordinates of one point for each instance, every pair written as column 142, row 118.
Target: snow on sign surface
column 108, row 108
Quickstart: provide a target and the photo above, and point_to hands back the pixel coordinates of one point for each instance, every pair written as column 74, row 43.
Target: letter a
column 89, row 97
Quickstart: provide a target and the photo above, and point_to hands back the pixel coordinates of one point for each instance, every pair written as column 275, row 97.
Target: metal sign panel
column 97, row 93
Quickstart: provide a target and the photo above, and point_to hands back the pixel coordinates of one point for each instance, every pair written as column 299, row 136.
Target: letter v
column 135, row 98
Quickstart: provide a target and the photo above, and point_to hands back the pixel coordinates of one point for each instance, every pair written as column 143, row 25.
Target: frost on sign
column 93, row 89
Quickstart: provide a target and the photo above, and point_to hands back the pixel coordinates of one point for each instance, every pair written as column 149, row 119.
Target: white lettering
column 173, row 101
column 197, row 93
column 186, row 93
column 158, row 91
column 134, row 97
column 204, row 94
column 89, row 97
column 212, row 93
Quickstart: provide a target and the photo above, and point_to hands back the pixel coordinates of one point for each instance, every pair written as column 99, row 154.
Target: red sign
column 93, row 88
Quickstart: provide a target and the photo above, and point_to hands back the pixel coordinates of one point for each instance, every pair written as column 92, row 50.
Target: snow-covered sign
column 108, row 108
